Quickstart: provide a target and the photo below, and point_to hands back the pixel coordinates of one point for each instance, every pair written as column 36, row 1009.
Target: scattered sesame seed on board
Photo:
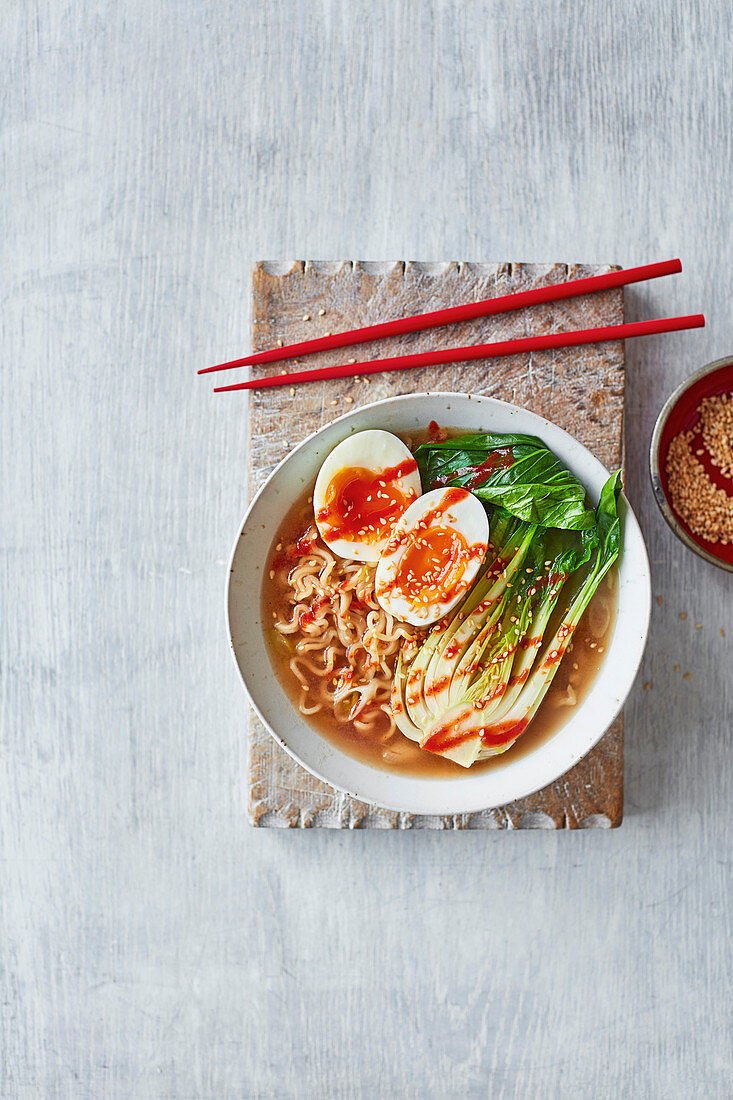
column 321, row 312
column 306, row 316
column 722, row 632
column 659, row 600
column 687, row 676
column 683, row 614
column 292, row 391
column 698, row 626
column 334, row 402
column 349, row 400
column 647, row 686
column 676, row 668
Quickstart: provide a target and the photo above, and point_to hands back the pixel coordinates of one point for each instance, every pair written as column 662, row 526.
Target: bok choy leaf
column 482, row 673
column 515, row 472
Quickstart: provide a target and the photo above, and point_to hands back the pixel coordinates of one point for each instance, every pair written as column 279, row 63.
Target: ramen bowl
column 474, row 789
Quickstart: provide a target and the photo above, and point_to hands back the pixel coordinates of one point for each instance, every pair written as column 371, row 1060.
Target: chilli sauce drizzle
column 361, row 505
column 448, row 737
column 500, row 459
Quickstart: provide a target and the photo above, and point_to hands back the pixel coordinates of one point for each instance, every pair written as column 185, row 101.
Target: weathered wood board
column 581, row 389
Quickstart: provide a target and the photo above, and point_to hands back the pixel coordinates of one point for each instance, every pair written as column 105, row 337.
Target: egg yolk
column 432, row 566
column 363, row 506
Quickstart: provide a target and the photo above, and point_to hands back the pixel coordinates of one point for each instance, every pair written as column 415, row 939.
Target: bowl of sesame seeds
column 691, row 462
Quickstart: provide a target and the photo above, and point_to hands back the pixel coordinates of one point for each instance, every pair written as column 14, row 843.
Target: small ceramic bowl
column 680, row 415
column 474, row 790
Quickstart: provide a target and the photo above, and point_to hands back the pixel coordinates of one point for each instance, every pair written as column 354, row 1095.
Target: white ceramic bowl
column 472, row 791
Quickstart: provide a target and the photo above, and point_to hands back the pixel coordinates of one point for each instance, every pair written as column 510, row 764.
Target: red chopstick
column 476, row 351
column 488, row 306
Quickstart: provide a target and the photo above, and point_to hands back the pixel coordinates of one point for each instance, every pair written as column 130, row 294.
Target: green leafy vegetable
column 515, row 472
column 481, row 674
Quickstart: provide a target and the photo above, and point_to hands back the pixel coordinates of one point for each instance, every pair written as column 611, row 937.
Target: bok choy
column 480, row 675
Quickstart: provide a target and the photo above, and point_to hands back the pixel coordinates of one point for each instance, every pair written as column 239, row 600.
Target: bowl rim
column 530, row 787
column 655, row 470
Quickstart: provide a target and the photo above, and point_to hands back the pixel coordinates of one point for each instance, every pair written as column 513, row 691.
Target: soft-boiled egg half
column 365, row 484
column 432, row 557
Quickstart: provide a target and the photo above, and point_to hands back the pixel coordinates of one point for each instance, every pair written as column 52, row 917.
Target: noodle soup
column 334, row 650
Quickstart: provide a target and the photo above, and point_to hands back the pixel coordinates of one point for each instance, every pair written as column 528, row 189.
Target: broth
column 393, row 751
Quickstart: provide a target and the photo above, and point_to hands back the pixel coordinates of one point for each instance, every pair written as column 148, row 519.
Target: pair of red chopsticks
column 487, row 307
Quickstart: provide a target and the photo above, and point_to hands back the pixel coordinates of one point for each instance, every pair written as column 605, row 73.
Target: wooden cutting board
column 581, row 389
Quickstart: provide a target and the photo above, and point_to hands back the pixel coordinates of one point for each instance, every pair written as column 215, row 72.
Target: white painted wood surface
column 152, row 944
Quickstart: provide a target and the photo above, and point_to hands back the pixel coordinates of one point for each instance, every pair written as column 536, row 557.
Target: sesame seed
column 647, row 685
column 279, row 343
column 349, row 400
column 683, row 615
column 698, row 626
column 659, row 600
column 292, row 391
column 687, row 676
column 306, row 316
column 321, row 312
column 272, row 573
column 676, row 668
column 706, row 508
column 722, row 632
